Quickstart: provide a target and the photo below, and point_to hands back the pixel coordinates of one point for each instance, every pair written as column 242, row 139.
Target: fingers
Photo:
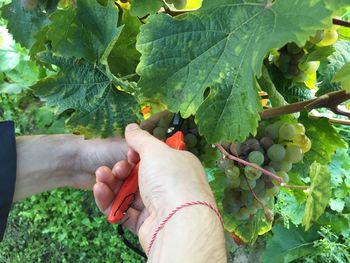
column 133, row 156
column 140, row 140
column 105, row 175
column 103, row 197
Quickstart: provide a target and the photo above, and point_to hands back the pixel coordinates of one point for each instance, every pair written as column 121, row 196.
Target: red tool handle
column 128, row 190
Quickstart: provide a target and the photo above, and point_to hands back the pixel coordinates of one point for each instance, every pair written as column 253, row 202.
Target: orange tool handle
column 129, row 188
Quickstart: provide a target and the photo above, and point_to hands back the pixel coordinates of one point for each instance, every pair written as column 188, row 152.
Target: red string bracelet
column 172, row 213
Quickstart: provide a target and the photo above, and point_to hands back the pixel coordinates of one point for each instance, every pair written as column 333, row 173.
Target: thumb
column 140, row 140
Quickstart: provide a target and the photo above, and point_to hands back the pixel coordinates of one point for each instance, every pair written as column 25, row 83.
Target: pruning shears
column 127, row 193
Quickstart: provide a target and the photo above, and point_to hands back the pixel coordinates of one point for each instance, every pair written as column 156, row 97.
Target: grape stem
column 264, row 171
column 330, row 100
column 341, row 22
column 267, row 211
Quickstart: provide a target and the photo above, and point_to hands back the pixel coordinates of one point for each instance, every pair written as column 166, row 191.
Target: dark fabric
column 7, row 171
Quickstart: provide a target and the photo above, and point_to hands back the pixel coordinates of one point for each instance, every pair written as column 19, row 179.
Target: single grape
column 317, row 37
column 283, row 175
column 270, row 169
column 232, row 171
column 294, row 154
column 261, row 129
column 160, row 133
column 244, row 184
column 302, row 141
column 244, row 149
column 309, row 67
column 276, row 152
column 271, row 131
column 301, row 77
column 180, row 4
column 253, row 144
column 275, row 165
column 330, row 37
column 191, row 140
column 286, row 131
column 259, row 188
column 271, row 192
column 299, row 128
column 233, row 182
column 243, row 214
column 266, row 142
column 293, row 48
column 252, row 173
column 256, row 157
column 247, row 198
column 235, row 148
column 286, row 166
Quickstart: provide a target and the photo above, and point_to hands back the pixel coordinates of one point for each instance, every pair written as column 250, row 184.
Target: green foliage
column 319, row 195
column 91, row 91
column 142, row 8
column 230, row 55
column 342, row 76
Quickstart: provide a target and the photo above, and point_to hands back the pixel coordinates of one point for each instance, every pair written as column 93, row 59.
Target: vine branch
column 330, row 100
column 340, row 22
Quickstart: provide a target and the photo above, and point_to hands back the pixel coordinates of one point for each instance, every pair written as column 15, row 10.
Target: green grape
column 256, row 157
column 261, row 129
column 232, row 171
column 275, row 165
column 309, row 67
column 329, row 38
column 191, row 140
column 234, row 148
column 233, row 182
column 286, row 131
column 299, row 128
column 244, row 184
column 294, row 154
column 243, row 214
column 270, row 168
column 252, row 173
column 293, row 48
column 271, row 192
column 283, row 175
column 247, row 198
column 276, row 152
column 260, row 189
column 301, row 77
column 272, row 131
column 302, row 141
column 317, row 38
column 159, row 133
column 286, row 166
column 180, row 4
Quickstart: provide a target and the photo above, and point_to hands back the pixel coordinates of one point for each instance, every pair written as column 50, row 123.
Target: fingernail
column 132, row 127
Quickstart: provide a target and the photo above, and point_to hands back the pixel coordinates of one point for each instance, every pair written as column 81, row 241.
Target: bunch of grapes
column 194, row 143
column 276, row 148
column 178, row 4
column 326, row 37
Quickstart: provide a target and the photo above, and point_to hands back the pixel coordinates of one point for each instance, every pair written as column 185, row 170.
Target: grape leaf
column 142, row 8
column 89, row 90
column 90, row 30
column 337, row 205
column 216, row 47
column 325, row 140
column 336, row 61
column 124, row 57
column 319, row 195
column 319, row 53
column 343, row 76
column 9, row 51
column 287, row 245
column 23, row 23
column 290, row 208
column 102, row 22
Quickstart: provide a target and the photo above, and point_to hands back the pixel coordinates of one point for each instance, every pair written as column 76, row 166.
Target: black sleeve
column 8, row 164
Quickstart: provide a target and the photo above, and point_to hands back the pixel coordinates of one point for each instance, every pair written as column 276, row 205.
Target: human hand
column 167, row 178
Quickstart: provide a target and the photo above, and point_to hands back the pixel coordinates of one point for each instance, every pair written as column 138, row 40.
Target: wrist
column 183, row 236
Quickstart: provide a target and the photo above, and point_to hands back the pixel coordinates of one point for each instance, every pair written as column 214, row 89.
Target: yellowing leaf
column 319, row 195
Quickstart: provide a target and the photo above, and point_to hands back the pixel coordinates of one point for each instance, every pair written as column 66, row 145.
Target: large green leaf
column 89, row 90
column 319, row 195
column 343, row 76
column 288, row 244
column 124, row 57
column 142, row 8
column 221, row 46
column 335, row 62
column 23, row 23
column 90, row 30
column 9, row 51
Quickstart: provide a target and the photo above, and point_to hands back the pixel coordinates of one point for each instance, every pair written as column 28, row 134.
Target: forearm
column 45, row 162
column 193, row 234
